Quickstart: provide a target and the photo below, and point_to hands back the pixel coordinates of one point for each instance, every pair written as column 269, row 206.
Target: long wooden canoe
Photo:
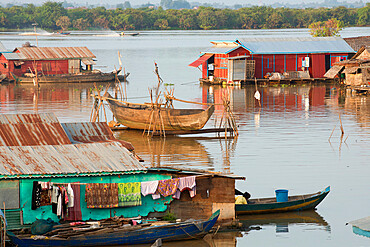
column 137, row 116
column 70, row 78
column 122, row 236
column 294, row 203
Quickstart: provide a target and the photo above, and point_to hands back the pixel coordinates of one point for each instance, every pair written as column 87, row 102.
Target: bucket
column 281, row 195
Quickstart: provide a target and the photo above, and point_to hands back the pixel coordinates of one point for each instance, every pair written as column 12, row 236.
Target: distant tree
column 364, row 15
column 237, row 6
column 207, row 18
column 101, row 21
column 48, row 13
column 127, row 5
column 63, row 22
column 180, row 4
column 81, row 24
column 161, row 24
column 326, row 29
column 166, row 4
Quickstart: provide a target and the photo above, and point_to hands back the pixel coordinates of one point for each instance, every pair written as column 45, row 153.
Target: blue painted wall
column 44, row 212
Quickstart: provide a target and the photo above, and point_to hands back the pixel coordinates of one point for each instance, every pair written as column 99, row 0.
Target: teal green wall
column 44, row 212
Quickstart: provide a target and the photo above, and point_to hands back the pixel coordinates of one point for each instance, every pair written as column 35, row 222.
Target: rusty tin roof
column 31, row 130
column 86, row 159
column 89, row 132
column 54, row 53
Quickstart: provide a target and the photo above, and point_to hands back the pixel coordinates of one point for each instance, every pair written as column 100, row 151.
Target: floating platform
column 267, row 81
column 360, row 89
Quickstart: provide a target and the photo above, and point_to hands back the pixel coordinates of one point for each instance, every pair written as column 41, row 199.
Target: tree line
column 53, row 16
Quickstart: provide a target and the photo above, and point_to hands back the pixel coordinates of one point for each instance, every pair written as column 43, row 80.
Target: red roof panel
column 200, row 60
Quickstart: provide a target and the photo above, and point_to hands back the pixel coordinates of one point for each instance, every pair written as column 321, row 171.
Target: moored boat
column 128, row 34
column 138, row 116
column 361, row 227
column 71, row 78
column 270, row 205
column 121, row 236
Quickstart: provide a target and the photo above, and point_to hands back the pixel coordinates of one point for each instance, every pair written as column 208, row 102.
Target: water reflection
column 282, row 221
column 306, row 98
column 170, row 151
column 220, row 239
column 70, row 102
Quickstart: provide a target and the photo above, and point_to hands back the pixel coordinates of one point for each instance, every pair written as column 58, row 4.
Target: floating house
column 354, row 72
column 38, row 152
column 45, row 61
column 296, row 58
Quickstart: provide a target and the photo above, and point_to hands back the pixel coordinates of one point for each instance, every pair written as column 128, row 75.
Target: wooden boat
column 294, row 203
column 70, row 78
column 138, row 116
column 122, row 236
column 128, row 34
column 361, row 227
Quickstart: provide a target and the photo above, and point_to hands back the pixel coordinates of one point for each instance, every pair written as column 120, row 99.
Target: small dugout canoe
column 294, row 203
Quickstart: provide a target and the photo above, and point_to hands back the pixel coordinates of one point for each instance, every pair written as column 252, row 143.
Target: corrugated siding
column 296, row 45
column 67, row 159
column 317, row 66
column 31, row 130
column 221, row 66
column 54, row 53
column 13, row 218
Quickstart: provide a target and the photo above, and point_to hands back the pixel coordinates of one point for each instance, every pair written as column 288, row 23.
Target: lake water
column 282, row 144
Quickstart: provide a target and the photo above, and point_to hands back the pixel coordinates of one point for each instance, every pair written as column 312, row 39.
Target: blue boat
column 361, row 227
column 122, row 236
column 294, row 203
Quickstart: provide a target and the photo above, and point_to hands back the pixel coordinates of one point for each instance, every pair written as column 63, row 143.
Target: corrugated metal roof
column 68, row 160
column 296, row 45
column 31, row 130
column 88, row 132
column 219, row 50
column 2, row 48
column 194, row 171
column 13, row 56
column 55, row 53
column 357, row 42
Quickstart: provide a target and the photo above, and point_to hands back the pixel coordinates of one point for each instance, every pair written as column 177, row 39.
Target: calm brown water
column 282, row 144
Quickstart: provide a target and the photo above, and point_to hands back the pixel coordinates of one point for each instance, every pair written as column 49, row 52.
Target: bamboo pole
column 331, row 133
column 341, row 126
column 4, row 233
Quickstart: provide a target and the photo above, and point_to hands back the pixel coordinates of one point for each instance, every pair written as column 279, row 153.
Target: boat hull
column 293, row 204
column 171, row 232
column 68, row 78
column 139, row 117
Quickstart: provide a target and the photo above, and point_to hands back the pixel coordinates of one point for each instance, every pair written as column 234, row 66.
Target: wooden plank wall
column 210, row 192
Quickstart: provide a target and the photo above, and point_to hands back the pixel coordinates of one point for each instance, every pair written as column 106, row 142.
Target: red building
column 245, row 59
column 45, row 60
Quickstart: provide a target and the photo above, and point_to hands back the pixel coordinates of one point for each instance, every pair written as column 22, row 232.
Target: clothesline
column 197, row 176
